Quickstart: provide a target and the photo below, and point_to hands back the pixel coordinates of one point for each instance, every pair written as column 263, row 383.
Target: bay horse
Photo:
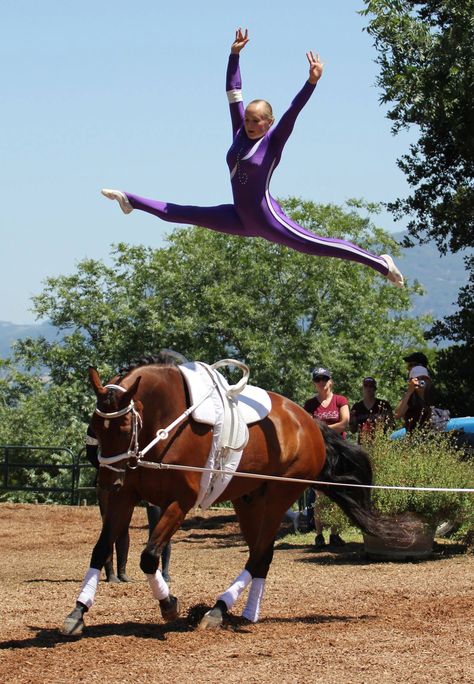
column 288, row 443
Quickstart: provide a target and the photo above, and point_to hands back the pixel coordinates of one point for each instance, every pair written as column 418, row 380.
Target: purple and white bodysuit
column 255, row 213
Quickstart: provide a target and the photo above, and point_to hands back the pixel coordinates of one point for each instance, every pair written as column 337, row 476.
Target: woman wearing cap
column 255, row 153
column 332, row 409
column 415, row 405
column 369, row 412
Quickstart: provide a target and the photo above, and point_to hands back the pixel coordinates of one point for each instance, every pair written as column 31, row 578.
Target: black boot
column 110, row 575
column 122, row 573
column 121, row 550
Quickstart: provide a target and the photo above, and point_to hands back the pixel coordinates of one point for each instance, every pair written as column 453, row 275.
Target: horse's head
column 116, row 423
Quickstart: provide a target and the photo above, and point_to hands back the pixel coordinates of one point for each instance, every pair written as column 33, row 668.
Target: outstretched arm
column 234, row 81
column 283, row 129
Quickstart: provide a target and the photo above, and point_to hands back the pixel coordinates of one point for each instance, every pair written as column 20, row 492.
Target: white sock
column 158, row 586
column 89, row 587
column 252, row 607
column 231, row 595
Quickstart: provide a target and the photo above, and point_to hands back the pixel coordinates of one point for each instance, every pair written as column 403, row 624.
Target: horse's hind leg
column 260, row 515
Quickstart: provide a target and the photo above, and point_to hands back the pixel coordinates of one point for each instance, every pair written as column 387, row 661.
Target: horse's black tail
column 348, row 463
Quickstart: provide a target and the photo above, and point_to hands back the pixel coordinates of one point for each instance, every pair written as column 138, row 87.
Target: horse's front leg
column 116, row 522
column 167, row 525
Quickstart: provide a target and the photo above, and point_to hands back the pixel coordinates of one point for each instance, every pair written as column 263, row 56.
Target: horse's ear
column 127, row 396
column 96, row 382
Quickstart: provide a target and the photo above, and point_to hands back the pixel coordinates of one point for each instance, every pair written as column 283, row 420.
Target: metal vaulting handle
column 239, row 386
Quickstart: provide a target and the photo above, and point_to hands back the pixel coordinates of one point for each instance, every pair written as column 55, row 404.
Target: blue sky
column 131, row 96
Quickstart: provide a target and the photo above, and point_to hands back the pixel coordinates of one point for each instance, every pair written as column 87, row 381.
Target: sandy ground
column 326, row 617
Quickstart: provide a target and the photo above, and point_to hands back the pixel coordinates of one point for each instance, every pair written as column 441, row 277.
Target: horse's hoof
column 169, row 608
column 73, row 625
column 213, row 619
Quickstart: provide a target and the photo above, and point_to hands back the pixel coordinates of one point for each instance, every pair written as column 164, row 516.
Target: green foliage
column 210, row 296
column 455, row 364
column 331, row 515
column 34, row 412
column 423, row 459
column 426, row 58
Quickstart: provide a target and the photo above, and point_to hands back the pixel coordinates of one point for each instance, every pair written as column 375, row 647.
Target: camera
column 421, row 383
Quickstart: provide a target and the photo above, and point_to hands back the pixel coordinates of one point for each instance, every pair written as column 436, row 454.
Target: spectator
column 415, row 405
column 369, row 412
column 122, row 544
column 416, row 359
column 332, row 409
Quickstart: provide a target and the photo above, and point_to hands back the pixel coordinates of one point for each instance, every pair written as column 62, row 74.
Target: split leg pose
column 255, row 152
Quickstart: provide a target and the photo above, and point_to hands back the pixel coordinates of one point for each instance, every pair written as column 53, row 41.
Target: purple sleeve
column 282, row 131
column 233, row 86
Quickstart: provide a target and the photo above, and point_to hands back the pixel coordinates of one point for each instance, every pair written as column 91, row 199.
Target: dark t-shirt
column 418, row 413
column 366, row 418
column 329, row 414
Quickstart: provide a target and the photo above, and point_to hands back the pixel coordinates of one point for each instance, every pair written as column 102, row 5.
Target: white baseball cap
column 417, row 371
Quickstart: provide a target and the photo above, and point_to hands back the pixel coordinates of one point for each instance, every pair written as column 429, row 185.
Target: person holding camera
column 415, row 405
column 370, row 412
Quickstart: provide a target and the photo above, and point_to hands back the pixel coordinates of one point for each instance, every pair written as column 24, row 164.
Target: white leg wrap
column 252, row 607
column 231, row 595
column 89, row 587
column 158, row 586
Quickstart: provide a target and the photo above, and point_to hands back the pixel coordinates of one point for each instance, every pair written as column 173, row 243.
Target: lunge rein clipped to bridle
column 162, row 434
column 134, row 449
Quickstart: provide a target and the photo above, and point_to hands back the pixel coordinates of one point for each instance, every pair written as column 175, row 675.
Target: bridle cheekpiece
column 133, row 449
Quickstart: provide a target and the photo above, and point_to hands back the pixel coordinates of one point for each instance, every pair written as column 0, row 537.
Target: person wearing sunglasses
column 332, row 409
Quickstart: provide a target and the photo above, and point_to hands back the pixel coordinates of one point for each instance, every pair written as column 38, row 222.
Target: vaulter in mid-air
column 253, row 156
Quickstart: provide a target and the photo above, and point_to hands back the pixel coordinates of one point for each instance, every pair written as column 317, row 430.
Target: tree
column 210, row 296
column 426, row 57
column 35, row 413
column 455, row 364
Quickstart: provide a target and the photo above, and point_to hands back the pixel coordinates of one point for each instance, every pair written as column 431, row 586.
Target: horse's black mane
column 165, row 357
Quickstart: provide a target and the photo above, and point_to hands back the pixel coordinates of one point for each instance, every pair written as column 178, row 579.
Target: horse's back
column 288, row 438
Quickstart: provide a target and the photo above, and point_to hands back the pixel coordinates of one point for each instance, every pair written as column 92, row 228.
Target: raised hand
column 315, row 67
column 241, row 40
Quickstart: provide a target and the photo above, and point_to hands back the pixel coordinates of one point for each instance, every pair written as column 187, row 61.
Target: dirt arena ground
column 326, row 617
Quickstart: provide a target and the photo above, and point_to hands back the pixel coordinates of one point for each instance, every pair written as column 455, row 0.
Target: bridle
column 137, row 424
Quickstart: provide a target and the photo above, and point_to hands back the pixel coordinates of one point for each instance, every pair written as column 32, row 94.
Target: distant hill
column 9, row 332
column 441, row 277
